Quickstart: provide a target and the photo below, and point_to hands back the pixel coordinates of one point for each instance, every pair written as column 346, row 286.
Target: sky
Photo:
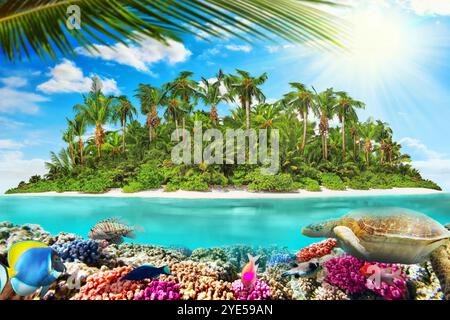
column 399, row 66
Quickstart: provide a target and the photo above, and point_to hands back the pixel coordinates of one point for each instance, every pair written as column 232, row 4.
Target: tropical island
column 354, row 154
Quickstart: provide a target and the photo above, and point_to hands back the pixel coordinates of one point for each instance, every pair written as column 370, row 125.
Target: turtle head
column 319, row 230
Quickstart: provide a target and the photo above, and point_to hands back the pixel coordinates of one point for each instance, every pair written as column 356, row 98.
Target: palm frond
column 39, row 26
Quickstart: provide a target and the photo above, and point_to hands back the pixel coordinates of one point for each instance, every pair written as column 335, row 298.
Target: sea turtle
column 391, row 235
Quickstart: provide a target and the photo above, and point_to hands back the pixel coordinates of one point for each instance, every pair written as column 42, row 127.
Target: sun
column 379, row 40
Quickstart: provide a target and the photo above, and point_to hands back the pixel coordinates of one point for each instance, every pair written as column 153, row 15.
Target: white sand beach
column 239, row 194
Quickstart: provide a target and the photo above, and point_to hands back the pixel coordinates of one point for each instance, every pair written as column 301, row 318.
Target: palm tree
column 68, row 137
column 209, row 93
column 354, row 131
column 301, row 100
column 246, row 88
column 385, row 136
column 96, row 110
column 114, row 142
column 122, row 112
column 151, row 97
column 25, row 25
column 346, row 111
column 324, row 109
column 369, row 132
column 267, row 115
column 78, row 124
column 60, row 164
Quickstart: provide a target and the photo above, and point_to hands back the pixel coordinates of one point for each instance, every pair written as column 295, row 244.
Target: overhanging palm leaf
column 39, row 26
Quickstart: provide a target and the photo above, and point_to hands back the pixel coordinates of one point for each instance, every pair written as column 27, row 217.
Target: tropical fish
column 32, row 265
column 373, row 271
column 305, row 269
column 146, row 271
column 249, row 271
column 112, row 230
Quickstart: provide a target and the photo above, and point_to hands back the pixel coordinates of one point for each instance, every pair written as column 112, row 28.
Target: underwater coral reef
column 94, row 271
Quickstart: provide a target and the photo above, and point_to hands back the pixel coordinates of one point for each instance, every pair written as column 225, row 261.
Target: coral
column 136, row 254
column 424, row 284
column 316, row 250
column 10, row 234
column 106, row 285
column 160, row 290
column 303, row 288
column 329, row 292
column 389, row 292
column 87, row 251
column 440, row 260
column 343, row 272
column 68, row 285
column 279, row 285
column 259, row 291
column 212, row 254
column 280, row 258
column 200, row 281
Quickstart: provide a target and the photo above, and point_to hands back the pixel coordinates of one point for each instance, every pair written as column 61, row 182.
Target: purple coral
column 259, row 291
column 343, row 272
column 387, row 291
column 160, row 290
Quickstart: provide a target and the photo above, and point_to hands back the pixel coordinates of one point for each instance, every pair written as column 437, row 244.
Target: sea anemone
column 259, row 291
column 160, row 290
column 316, row 250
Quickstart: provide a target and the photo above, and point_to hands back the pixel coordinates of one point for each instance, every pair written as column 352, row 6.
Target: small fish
column 112, row 230
column 32, row 266
column 146, row 271
column 304, row 269
column 249, row 271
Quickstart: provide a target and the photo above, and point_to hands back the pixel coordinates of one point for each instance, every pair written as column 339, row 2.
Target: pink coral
column 388, row 291
column 316, row 250
column 160, row 290
column 259, row 291
column 343, row 272
column 107, row 286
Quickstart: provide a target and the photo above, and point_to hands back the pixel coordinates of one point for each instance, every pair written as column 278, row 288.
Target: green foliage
column 272, row 183
column 308, row 184
column 332, row 181
column 190, row 183
column 134, row 186
column 149, row 176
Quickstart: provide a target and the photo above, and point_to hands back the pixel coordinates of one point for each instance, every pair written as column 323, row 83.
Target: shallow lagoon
column 200, row 223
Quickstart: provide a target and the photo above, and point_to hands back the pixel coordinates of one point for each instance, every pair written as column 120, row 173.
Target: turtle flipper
column 350, row 242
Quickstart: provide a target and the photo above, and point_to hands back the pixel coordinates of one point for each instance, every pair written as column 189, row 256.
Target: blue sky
column 402, row 75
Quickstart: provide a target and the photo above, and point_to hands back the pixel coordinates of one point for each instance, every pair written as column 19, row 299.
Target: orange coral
column 316, row 250
column 107, row 286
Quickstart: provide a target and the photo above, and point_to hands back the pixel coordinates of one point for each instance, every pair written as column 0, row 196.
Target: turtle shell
column 395, row 223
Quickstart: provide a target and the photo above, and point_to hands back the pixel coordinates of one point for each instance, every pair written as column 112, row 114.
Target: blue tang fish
column 146, row 271
column 32, row 265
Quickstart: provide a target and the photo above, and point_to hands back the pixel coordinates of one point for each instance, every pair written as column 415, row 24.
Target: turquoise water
column 200, row 223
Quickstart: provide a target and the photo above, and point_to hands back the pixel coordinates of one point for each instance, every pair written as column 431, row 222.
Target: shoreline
column 237, row 194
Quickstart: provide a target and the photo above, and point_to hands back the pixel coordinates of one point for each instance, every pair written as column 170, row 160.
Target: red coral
column 107, row 286
column 316, row 250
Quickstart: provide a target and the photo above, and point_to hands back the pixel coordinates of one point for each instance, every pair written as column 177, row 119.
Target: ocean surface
column 201, row 223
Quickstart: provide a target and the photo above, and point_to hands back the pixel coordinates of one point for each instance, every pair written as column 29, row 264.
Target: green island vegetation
column 354, row 154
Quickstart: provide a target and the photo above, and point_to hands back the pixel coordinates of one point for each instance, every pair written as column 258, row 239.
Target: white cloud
column 243, row 48
column 10, row 123
column 430, row 7
column 18, row 101
column 14, row 168
column 9, row 144
column 14, row 82
column 66, row 77
column 435, row 167
column 276, row 48
column 141, row 56
column 420, row 148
